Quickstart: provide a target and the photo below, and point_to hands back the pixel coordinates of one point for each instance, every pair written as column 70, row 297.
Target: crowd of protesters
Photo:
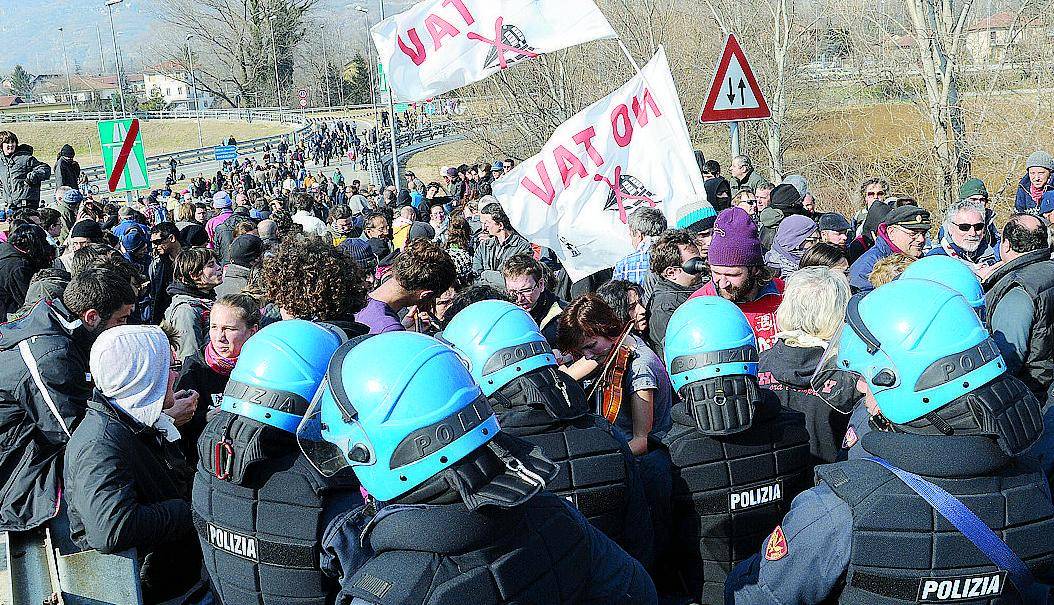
column 126, row 324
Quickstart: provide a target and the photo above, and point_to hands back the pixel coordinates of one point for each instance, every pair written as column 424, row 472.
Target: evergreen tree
column 358, row 81
column 22, row 83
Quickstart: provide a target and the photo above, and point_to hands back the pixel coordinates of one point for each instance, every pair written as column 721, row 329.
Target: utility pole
column 325, row 56
column 393, row 121
column 116, row 55
column 66, row 63
column 343, row 65
column 274, row 47
column 102, row 53
column 194, row 91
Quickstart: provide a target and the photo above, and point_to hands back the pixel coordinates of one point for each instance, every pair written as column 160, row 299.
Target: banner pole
column 629, row 57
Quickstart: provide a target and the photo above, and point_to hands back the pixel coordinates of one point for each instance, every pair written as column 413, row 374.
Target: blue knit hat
column 694, row 211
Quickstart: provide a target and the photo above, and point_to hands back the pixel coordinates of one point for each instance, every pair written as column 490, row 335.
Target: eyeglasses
column 156, row 241
column 911, row 232
column 879, row 194
column 964, row 227
column 522, row 291
column 176, row 365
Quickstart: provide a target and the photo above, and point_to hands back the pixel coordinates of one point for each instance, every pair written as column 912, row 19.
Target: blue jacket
column 860, row 271
column 1023, row 202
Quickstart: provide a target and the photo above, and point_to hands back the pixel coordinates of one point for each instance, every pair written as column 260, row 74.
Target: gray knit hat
column 1040, row 159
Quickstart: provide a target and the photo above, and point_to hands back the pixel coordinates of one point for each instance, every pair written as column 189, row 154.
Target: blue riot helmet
column 952, row 273
column 400, row 409
column 278, row 374
column 712, row 357
column 500, row 341
column 930, row 365
column 510, row 359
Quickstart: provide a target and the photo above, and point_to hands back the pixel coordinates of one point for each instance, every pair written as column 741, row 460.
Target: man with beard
column 966, row 237
column 45, row 386
column 738, row 274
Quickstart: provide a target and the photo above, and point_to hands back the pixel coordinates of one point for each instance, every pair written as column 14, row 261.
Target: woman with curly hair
column 307, row 278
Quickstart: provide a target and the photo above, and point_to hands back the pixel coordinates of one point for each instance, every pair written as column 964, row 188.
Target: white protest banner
column 439, row 45
column 626, row 151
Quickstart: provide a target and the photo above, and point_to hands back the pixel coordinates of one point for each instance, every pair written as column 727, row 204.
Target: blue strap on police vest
column 269, row 416
column 968, row 524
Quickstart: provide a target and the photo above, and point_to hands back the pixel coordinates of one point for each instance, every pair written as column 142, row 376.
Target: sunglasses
column 970, row 226
column 156, row 241
column 176, row 365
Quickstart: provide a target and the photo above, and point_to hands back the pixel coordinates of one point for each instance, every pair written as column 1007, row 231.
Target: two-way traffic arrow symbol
column 732, row 93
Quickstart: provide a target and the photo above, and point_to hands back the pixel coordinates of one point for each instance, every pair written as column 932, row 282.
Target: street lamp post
column 116, row 56
column 371, row 66
column 274, row 47
column 194, row 91
column 394, row 122
column 325, row 56
column 66, row 63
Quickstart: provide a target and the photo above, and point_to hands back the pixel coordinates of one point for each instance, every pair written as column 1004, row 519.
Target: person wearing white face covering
column 127, row 482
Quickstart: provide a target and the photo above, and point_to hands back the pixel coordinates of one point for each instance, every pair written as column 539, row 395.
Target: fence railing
column 189, row 157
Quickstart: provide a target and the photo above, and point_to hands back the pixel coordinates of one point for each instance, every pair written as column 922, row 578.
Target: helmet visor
column 327, row 454
column 852, row 355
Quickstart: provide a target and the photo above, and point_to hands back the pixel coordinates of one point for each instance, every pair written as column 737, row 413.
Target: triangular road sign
column 734, row 93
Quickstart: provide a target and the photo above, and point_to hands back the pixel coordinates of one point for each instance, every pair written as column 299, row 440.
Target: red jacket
column 760, row 312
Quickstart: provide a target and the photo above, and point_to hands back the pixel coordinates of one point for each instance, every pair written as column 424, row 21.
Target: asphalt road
column 157, row 177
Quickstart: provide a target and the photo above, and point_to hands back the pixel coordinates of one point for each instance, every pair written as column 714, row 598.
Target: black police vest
column 260, row 535
column 1034, row 275
column 730, row 492
column 596, row 474
column 903, row 551
column 537, row 552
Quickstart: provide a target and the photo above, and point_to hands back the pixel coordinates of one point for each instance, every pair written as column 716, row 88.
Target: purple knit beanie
column 735, row 242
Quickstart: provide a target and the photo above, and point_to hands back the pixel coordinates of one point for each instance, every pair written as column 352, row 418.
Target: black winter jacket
column 664, row 301
column 787, row 371
column 67, row 172
column 126, row 487
column 44, row 387
column 16, row 269
column 20, row 178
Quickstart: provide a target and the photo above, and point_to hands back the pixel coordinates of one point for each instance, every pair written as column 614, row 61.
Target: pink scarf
column 218, row 363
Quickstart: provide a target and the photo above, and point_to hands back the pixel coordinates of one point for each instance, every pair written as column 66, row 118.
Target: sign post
column 302, row 95
column 123, row 155
column 734, row 93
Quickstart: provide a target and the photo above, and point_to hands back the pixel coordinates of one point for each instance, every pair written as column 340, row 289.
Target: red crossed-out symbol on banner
column 122, row 158
column 499, row 45
column 621, row 195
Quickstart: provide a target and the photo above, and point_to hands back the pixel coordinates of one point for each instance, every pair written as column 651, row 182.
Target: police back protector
column 903, row 551
column 596, row 471
column 731, row 491
column 258, row 509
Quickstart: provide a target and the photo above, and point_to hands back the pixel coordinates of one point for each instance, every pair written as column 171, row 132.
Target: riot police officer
column 940, row 509
column 259, row 506
column 514, row 366
column 738, row 457
column 462, row 515
column 941, row 269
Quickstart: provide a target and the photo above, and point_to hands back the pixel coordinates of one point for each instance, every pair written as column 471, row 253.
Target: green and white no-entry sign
column 123, row 155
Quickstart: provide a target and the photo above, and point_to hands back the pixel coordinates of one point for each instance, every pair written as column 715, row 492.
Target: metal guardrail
column 415, row 139
column 265, row 114
column 207, row 154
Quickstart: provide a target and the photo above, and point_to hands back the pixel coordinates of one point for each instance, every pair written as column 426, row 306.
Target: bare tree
column 240, row 38
column 939, row 35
